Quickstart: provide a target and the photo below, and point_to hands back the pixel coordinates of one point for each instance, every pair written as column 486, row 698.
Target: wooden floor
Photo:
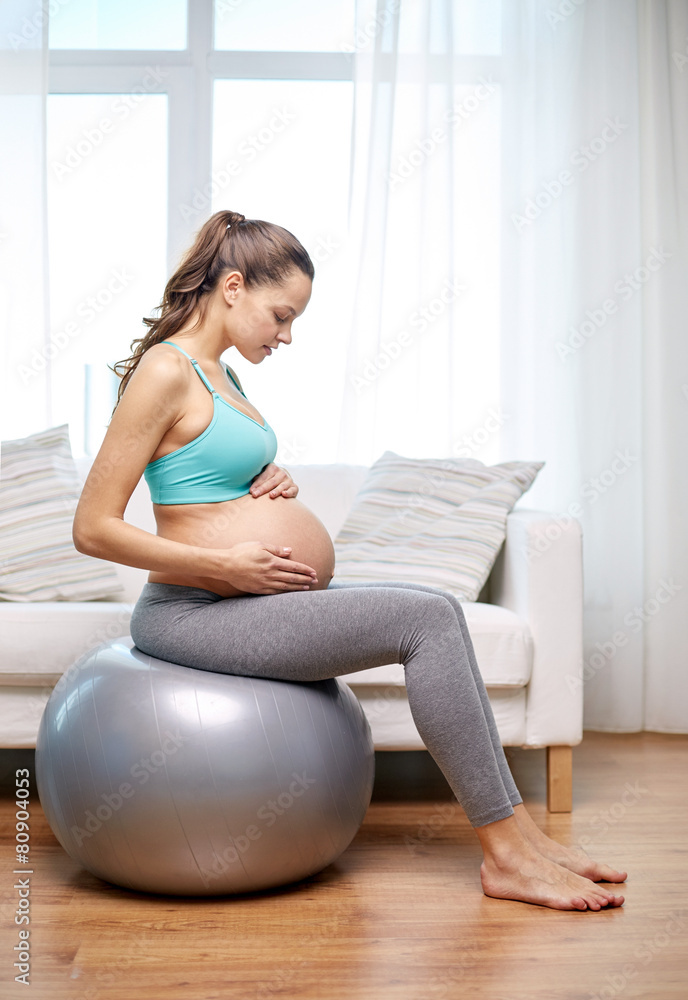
column 400, row 915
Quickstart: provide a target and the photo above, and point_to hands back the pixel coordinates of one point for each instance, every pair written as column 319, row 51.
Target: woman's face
column 260, row 319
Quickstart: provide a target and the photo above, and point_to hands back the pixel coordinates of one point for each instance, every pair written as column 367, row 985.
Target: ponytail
column 265, row 254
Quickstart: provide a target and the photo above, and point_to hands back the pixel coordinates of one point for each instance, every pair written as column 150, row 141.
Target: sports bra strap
column 197, row 367
column 234, row 381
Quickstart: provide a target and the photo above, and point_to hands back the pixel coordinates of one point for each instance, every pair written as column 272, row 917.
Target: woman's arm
column 152, row 403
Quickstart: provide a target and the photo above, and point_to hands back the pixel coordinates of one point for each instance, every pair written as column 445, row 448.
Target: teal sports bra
column 221, row 462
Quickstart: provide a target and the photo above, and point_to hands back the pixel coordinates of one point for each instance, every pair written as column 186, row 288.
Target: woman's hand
column 275, row 481
column 258, row 568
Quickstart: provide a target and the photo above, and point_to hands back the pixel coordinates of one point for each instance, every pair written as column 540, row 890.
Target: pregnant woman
column 241, row 572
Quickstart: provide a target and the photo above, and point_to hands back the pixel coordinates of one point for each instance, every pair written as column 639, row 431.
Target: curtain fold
column 663, row 67
column 572, row 332
column 24, row 295
column 416, row 184
column 562, row 259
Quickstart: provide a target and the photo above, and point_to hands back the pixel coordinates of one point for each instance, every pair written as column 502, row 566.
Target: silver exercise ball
column 169, row 779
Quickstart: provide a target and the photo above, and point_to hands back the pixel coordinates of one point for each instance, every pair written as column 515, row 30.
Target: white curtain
column 24, row 306
column 422, row 373
column 588, row 220
column 663, row 70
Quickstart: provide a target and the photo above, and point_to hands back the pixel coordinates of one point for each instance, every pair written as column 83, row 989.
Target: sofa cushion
column 439, row 522
column 38, row 642
column 503, row 646
column 39, row 491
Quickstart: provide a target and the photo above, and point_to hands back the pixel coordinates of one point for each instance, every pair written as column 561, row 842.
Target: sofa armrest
column 539, row 575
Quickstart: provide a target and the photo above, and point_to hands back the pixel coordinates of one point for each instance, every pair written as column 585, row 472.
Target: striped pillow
column 439, row 522
column 39, row 490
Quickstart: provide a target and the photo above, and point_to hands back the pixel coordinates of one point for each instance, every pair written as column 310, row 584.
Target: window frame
column 188, row 82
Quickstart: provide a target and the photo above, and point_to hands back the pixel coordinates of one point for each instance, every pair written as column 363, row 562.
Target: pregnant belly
column 283, row 521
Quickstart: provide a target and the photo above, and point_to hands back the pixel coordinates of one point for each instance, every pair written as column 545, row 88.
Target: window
column 145, row 114
column 136, row 153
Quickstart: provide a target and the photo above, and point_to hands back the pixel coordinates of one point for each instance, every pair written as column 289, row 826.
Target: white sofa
column 526, row 629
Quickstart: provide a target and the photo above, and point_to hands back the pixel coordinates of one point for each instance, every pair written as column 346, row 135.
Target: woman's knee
column 428, row 616
column 450, row 598
column 419, row 588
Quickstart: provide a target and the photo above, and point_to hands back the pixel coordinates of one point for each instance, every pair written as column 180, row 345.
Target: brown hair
column 265, row 254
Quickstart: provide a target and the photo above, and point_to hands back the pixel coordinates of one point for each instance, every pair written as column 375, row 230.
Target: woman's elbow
column 85, row 536
column 81, row 540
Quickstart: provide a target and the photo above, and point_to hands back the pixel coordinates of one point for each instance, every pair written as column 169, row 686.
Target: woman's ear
column 232, row 282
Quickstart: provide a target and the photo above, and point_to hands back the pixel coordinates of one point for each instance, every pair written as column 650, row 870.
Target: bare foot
column 532, row 878
column 574, row 858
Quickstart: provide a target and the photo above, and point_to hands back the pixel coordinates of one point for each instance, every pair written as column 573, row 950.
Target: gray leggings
column 317, row 634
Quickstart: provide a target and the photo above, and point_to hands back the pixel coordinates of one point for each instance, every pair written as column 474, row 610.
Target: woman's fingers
column 277, row 482
column 288, row 568
column 294, row 576
column 286, row 489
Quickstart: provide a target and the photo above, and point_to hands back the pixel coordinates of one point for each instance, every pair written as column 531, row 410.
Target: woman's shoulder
column 164, row 365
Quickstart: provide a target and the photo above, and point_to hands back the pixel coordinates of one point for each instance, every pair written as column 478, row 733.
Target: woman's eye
column 278, row 318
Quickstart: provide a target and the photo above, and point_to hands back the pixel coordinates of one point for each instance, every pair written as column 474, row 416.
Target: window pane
column 281, row 153
column 273, row 25
column 118, row 24
column 107, row 221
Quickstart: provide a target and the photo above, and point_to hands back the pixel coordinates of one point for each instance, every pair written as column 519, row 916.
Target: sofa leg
column 559, row 779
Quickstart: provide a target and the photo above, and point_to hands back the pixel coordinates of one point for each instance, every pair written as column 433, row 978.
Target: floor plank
column 400, row 915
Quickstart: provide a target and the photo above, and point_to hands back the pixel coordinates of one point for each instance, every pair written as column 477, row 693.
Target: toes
column 611, row 901
column 605, row 873
column 610, row 895
column 602, row 893
column 608, row 874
